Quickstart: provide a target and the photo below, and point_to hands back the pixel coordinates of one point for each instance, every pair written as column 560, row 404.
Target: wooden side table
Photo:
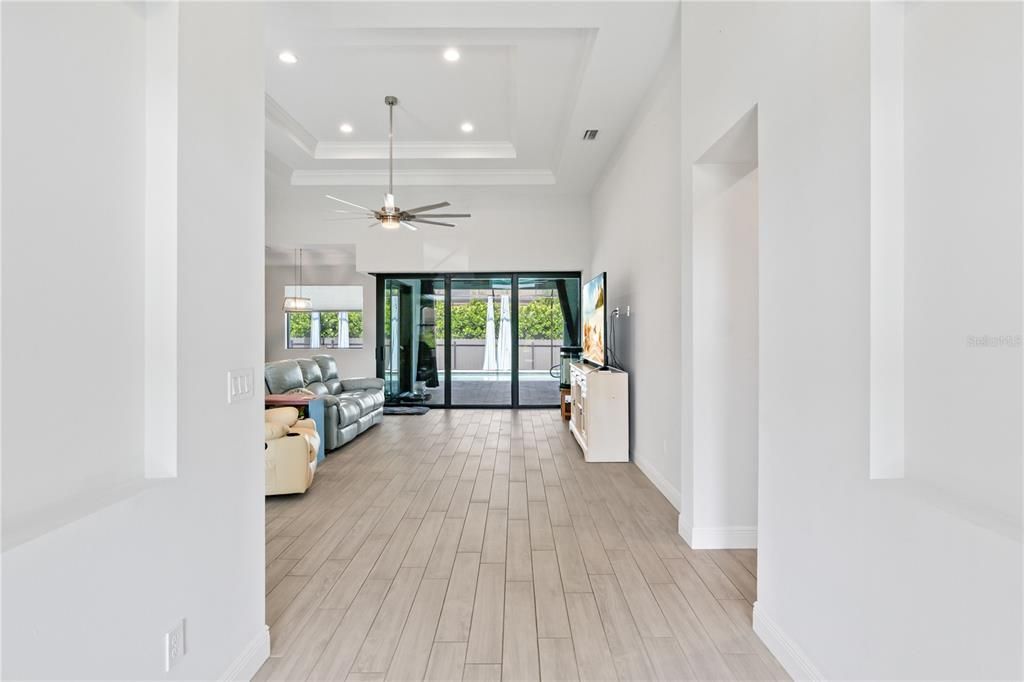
column 564, row 401
column 313, row 407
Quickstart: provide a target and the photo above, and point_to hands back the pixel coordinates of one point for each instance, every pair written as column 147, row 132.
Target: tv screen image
column 594, row 320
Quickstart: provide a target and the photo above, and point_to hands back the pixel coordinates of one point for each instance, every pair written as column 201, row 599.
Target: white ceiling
column 532, row 77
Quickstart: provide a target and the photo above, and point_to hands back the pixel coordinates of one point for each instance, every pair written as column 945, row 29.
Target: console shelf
column 600, row 412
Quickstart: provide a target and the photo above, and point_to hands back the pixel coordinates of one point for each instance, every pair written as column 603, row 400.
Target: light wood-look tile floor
column 478, row 545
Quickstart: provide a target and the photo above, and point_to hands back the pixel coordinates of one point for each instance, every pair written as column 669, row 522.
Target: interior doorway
column 725, row 340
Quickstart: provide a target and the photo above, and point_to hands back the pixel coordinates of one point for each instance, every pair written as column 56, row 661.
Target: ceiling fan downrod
column 391, row 101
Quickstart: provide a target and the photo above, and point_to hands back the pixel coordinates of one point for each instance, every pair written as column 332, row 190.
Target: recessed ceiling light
column 345, row 128
column 451, row 55
column 467, row 127
column 288, row 57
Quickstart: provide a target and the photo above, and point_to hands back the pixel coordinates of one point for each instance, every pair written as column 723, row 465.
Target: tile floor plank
column 646, row 612
column 485, row 633
column 592, row 653
column 519, row 657
column 623, row 638
column 552, row 620
column 495, row 537
column 457, row 613
column 557, row 660
column 447, row 660
column 540, row 526
column 340, row 652
column 414, row 647
column 570, row 560
column 518, row 556
column 382, row 639
column 443, row 556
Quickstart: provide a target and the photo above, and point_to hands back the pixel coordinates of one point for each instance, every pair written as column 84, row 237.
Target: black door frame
column 447, row 277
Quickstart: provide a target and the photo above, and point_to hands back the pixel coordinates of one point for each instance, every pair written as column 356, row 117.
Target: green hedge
column 538, row 319
column 298, row 325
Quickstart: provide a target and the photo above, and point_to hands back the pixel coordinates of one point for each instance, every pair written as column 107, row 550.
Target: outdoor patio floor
column 481, row 390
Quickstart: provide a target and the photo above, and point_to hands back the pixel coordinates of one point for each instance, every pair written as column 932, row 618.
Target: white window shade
column 330, row 298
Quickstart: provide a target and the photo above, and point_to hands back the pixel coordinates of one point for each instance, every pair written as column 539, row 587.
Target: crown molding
column 415, row 150
column 424, row 178
column 280, row 117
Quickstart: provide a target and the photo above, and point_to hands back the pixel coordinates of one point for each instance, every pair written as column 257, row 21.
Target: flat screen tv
column 595, row 321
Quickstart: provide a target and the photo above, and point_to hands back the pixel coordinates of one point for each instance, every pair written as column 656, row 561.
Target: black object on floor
column 404, row 409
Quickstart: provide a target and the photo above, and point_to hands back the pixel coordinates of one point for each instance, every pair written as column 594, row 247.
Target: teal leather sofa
column 351, row 406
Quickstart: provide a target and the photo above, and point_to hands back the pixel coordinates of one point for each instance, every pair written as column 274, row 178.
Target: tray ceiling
column 531, row 78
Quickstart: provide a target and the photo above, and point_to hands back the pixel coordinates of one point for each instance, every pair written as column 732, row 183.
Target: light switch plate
column 240, row 384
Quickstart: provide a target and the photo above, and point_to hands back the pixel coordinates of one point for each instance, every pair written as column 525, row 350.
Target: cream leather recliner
column 291, row 447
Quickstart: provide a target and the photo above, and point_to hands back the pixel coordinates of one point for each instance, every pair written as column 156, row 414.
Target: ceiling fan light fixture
column 452, row 55
column 390, row 216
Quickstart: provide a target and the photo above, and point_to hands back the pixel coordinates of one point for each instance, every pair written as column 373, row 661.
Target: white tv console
column 600, row 412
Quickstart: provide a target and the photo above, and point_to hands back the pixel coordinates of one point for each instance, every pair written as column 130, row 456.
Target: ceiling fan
column 390, row 217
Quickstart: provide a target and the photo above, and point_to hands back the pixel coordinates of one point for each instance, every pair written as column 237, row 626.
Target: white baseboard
column 785, row 650
column 255, row 654
column 670, row 492
column 722, row 537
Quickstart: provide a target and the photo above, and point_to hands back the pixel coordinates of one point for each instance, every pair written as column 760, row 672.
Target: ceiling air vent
column 590, row 134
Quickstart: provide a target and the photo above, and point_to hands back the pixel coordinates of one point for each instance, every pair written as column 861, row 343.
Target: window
column 335, row 322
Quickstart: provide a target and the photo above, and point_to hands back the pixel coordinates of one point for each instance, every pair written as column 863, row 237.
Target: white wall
column 352, row 362
column 636, row 232
column 724, row 357
column 94, row 598
column 512, row 228
column 860, row 578
column 963, row 246
column 100, row 207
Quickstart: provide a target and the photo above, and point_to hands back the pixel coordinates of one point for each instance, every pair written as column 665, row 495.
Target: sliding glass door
column 481, row 341
column 475, row 340
column 548, row 319
column 410, row 355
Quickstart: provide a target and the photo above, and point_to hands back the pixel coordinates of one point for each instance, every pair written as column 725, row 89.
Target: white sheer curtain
column 505, row 336
column 342, row 330
column 394, row 333
column 490, row 350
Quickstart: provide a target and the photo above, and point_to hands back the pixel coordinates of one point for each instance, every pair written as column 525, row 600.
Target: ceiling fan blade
column 442, row 215
column 430, row 222
column 389, row 201
column 350, row 217
column 375, row 223
column 431, row 207
column 329, row 196
column 410, row 226
column 345, row 210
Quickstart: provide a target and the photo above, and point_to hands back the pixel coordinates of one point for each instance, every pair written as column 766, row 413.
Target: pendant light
column 298, row 304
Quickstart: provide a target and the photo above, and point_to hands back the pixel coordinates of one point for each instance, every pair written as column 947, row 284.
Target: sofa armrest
column 288, row 465
column 362, row 384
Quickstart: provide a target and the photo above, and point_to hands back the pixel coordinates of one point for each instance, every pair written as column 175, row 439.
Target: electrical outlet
column 174, row 646
column 240, row 384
